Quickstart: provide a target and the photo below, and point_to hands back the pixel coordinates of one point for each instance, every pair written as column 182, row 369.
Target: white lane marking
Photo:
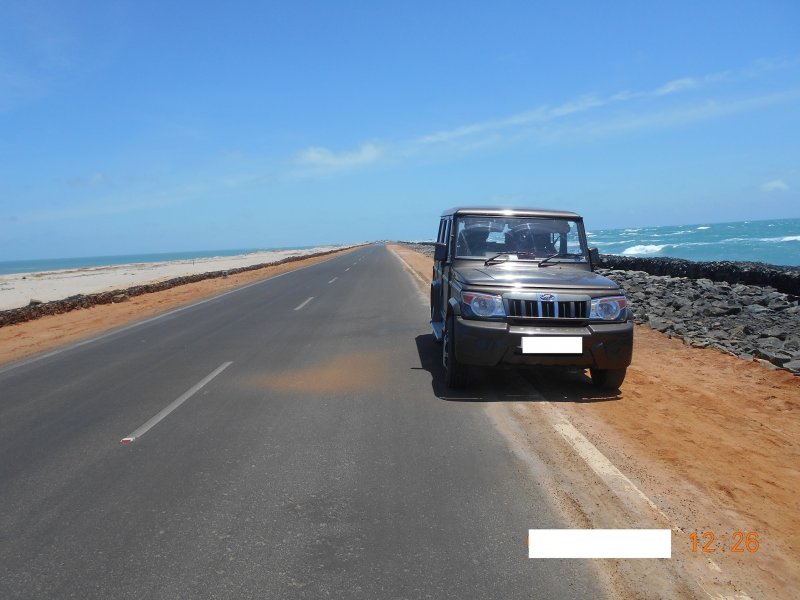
column 332, row 280
column 597, row 461
column 173, row 405
column 304, row 302
column 347, row 269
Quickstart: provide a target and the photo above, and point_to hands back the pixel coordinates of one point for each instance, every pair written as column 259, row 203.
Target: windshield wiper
column 494, row 258
column 558, row 255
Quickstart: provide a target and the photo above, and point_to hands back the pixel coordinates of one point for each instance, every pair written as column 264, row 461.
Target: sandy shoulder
column 34, row 337
column 713, row 440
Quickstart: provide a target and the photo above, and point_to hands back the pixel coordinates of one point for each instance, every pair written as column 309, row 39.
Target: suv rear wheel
column 609, row 379
column 455, row 374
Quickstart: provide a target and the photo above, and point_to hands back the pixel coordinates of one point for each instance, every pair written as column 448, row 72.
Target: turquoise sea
column 775, row 241
column 54, row 264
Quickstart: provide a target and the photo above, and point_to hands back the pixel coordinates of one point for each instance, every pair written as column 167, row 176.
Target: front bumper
column 491, row 343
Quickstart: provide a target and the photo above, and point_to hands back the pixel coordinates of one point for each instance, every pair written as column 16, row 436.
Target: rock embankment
column 752, row 322
column 38, row 309
column 783, row 279
column 721, row 309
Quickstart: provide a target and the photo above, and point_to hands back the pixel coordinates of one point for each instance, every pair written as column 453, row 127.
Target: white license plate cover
column 552, row 345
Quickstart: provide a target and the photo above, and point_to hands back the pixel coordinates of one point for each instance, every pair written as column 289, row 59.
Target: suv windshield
column 518, row 238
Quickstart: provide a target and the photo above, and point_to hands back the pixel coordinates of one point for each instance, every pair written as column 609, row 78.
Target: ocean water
column 775, row 242
column 54, row 264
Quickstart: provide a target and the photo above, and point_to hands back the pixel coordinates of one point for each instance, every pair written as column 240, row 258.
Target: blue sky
column 131, row 127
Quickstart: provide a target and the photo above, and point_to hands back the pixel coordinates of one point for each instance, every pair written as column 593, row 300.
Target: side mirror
column 594, row 258
column 440, row 252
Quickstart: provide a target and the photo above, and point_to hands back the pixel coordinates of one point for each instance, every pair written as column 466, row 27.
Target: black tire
column 455, row 373
column 608, row 379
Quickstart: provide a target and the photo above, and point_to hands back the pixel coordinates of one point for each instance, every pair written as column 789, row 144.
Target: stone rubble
column 748, row 321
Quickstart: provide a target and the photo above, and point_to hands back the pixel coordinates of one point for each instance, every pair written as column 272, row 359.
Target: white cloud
column 677, row 85
column 684, row 115
column 588, row 117
column 776, row 185
column 553, row 125
column 541, row 114
column 95, row 180
column 324, row 158
column 522, row 124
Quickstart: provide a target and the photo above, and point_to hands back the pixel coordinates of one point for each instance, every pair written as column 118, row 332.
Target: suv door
column 439, row 295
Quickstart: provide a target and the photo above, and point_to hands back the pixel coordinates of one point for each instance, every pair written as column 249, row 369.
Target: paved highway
column 281, row 441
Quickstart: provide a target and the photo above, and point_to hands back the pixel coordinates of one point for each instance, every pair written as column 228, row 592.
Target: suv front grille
column 543, row 309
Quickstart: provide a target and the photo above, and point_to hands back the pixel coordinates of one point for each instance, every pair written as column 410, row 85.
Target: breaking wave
column 644, row 249
column 786, row 238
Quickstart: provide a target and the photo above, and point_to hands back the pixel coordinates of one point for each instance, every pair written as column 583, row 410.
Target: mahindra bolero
column 518, row 287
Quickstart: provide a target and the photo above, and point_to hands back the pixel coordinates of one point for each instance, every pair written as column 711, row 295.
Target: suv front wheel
column 608, row 379
column 455, row 374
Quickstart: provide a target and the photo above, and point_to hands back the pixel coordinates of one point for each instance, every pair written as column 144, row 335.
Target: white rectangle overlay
column 552, row 345
column 599, row 543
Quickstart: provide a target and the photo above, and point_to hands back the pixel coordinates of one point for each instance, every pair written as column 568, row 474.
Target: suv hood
column 551, row 276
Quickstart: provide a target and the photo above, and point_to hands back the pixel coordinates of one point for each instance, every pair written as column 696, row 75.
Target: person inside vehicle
column 536, row 244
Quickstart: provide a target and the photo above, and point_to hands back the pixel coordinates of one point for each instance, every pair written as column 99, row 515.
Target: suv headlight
column 482, row 305
column 608, row 309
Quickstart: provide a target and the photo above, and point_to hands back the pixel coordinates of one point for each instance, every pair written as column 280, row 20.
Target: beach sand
column 18, row 290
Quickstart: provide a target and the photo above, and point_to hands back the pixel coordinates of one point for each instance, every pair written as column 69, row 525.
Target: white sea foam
column 644, row 249
column 785, row 238
column 704, row 227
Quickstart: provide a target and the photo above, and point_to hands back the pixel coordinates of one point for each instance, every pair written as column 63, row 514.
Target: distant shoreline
column 42, row 265
column 90, row 285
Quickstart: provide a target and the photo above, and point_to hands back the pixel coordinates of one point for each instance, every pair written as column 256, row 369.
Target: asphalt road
column 320, row 462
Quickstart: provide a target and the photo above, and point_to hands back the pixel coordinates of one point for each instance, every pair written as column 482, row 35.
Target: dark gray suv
column 517, row 287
